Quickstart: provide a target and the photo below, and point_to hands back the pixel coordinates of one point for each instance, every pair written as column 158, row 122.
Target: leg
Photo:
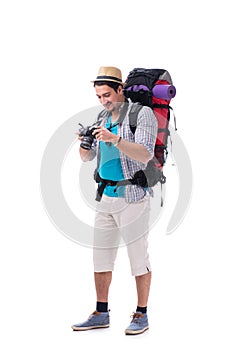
column 105, row 245
column 143, row 287
column 99, row 318
column 139, row 323
column 102, row 284
column 135, row 220
column 106, row 241
column 138, row 222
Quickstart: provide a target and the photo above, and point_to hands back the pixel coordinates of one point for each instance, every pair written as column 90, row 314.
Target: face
column 109, row 98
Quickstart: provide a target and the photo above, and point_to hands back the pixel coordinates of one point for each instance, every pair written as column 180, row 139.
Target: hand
column 102, row 134
column 80, row 138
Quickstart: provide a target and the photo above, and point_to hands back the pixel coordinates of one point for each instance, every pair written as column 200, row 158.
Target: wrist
column 117, row 140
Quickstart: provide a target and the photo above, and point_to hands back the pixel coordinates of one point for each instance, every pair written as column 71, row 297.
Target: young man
column 123, row 211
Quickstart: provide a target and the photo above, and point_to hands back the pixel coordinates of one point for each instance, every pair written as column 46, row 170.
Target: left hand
column 102, row 134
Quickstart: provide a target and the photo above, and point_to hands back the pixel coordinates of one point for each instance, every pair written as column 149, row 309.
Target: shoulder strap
column 102, row 114
column 133, row 115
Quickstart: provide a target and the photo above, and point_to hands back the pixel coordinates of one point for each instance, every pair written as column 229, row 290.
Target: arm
column 131, row 149
column 142, row 149
column 134, row 151
column 87, row 155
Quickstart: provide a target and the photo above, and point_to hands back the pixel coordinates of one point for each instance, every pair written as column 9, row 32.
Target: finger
column 99, row 136
column 79, row 137
column 95, row 132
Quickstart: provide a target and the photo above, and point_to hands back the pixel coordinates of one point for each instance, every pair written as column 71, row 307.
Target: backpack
column 152, row 88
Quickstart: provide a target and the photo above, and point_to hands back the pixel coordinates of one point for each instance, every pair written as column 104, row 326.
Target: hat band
column 104, row 77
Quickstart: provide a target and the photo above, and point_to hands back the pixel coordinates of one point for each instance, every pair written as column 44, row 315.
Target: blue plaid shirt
column 145, row 134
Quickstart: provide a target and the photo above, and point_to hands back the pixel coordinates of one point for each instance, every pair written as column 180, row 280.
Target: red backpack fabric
column 153, row 88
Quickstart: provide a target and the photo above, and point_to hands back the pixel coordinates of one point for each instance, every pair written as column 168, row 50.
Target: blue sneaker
column 139, row 323
column 95, row 320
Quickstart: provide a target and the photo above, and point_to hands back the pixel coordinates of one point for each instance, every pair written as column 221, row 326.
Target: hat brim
column 103, row 80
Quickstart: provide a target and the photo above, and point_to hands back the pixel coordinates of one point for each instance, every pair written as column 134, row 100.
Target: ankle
column 142, row 309
column 102, row 306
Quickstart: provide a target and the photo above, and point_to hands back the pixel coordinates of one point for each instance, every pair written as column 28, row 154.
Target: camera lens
column 87, row 142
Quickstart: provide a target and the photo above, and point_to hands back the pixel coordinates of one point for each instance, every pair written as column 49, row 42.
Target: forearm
column 86, row 155
column 133, row 150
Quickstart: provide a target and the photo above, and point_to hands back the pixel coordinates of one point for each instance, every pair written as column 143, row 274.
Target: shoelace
column 136, row 317
column 93, row 314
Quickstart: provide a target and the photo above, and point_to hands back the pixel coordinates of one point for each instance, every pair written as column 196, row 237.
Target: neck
column 115, row 112
column 115, row 116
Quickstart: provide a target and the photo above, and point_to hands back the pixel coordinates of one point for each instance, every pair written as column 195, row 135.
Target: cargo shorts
column 118, row 223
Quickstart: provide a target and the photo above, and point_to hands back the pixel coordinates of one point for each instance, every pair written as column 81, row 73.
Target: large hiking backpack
column 153, row 88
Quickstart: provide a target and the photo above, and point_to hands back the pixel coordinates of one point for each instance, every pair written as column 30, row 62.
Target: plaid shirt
column 145, row 134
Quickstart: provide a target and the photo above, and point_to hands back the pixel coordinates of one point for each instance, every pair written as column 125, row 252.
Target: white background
column 50, row 50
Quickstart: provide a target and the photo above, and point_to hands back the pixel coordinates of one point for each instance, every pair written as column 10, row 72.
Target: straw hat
column 109, row 74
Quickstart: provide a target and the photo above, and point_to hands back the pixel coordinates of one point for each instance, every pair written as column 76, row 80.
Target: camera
column 86, row 132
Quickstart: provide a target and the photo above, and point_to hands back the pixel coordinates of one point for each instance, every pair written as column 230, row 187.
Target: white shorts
column 118, row 221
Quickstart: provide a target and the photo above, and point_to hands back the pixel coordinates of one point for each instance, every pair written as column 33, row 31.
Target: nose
column 103, row 100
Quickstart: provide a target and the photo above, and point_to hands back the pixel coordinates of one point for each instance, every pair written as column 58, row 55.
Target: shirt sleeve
column 146, row 131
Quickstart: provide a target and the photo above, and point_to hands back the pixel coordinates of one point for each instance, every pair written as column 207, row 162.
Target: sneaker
column 139, row 323
column 95, row 320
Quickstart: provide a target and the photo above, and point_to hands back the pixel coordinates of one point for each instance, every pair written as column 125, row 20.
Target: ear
column 120, row 90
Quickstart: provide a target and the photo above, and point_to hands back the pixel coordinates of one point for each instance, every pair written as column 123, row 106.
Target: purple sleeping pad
column 165, row 92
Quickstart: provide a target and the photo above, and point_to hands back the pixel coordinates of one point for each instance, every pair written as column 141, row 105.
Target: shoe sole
column 88, row 328
column 132, row 332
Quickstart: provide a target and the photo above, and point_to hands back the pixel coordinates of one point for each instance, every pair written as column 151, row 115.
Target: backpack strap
column 133, row 115
column 102, row 115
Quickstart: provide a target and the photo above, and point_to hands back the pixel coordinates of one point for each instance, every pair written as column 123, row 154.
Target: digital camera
column 86, row 132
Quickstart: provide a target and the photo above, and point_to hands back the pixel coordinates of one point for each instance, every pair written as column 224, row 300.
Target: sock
column 102, row 307
column 141, row 309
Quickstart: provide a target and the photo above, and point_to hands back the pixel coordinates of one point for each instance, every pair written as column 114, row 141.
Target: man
column 123, row 211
